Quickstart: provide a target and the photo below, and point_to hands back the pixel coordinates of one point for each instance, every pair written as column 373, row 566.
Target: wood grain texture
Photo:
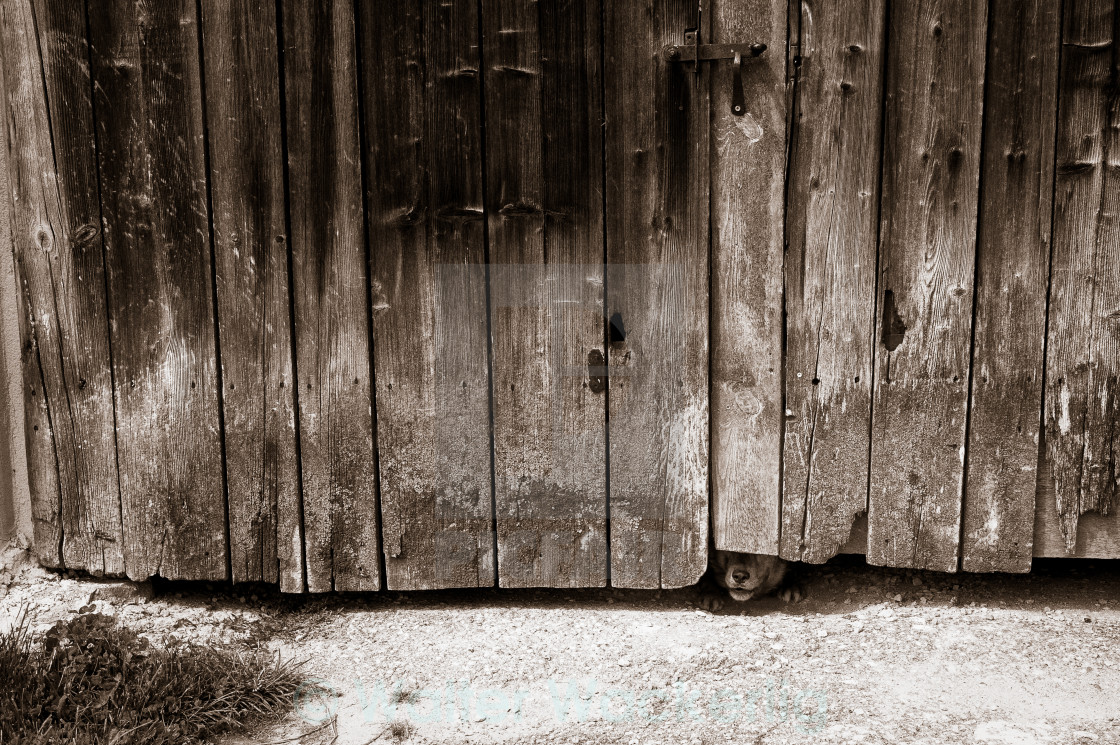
column 1017, row 179
column 151, row 158
column 60, row 267
column 1083, row 343
column 15, row 507
column 25, row 119
column 1098, row 535
column 657, row 178
column 331, row 296
column 241, row 64
column 934, row 103
column 545, row 203
column 832, row 235
column 748, row 161
column 423, row 131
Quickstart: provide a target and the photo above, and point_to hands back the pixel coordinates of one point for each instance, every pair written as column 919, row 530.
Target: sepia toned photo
column 519, row 372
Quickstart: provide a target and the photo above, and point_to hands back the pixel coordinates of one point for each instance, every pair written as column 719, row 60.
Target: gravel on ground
column 871, row 656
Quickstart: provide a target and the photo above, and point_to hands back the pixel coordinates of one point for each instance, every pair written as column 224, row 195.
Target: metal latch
column 695, row 52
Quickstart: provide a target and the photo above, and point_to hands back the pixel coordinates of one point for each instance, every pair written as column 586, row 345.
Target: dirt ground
column 870, row 656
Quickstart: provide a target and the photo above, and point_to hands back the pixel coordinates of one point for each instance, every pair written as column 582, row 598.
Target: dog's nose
column 740, row 575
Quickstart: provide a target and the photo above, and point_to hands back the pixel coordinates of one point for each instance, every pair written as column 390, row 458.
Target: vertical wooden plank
column 331, row 296
column 934, row 105
column 657, row 179
column 1083, row 347
column 544, row 182
column 1013, row 265
column 832, row 230
column 240, row 60
column 13, row 442
column 748, row 201
column 1098, row 534
column 148, row 107
column 420, row 77
column 57, row 239
column 25, row 119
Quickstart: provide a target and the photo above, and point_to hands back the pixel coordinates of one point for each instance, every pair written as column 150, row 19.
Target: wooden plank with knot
column 56, row 236
column 927, row 254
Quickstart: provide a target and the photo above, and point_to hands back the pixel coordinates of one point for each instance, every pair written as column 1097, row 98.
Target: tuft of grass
column 90, row 681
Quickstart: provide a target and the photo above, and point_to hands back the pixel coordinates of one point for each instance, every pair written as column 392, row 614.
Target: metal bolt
column 674, row 53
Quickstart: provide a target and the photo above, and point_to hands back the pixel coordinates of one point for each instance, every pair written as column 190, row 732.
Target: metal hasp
column 693, row 52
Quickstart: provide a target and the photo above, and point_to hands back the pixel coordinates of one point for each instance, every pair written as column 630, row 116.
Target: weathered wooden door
column 560, row 293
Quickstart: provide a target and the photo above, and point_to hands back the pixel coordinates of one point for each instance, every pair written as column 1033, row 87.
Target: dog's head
column 744, row 575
